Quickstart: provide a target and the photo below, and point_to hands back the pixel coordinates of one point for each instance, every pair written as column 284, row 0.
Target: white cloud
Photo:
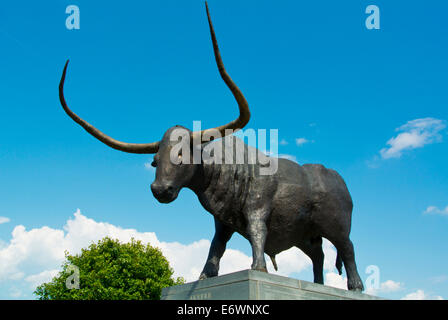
column 435, row 210
column 417, row 295
column 282, row 155
column 385, row 287
column 414, row 134
column 45, row 276
column 32, row 257
column 390, row 286
column 333, row 279
column 283, row 142
column 15, row 293
column 288, row 156
column 4, row 220
column 330, row 255
column 290, row 261
column 301, row 141
column 420, row 295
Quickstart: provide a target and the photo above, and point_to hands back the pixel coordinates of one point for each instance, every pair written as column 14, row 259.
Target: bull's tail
column 339, row 263
column 274, row 262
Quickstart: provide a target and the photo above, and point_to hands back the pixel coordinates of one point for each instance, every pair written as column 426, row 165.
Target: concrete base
column 255, row 285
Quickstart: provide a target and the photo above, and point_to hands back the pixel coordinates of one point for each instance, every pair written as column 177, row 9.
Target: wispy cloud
column 4, row 220
column 42, row 277
column 435, row 210
column 414, row 134
column 301, row 141
column 386, row 287
column 282, row 155
column 283, row 142
column 288, row 156
column 421, row 295
column 439, row 279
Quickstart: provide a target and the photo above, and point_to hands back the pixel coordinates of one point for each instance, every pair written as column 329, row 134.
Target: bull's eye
column 154, row 164
column 179, row 159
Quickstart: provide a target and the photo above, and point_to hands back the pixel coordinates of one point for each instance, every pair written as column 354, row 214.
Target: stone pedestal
column 255, row 285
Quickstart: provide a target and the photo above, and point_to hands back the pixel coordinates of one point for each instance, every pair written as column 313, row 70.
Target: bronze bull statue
column 294, row 206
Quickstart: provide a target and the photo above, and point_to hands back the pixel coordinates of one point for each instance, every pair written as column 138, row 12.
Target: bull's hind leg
column 346, row 251
column 217, row 248
column 313, row 249
column 334, row 221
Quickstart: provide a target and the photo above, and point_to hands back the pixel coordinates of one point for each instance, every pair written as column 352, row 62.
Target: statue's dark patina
column 295, row 206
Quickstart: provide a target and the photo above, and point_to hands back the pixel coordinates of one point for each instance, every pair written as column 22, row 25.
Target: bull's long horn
column 235, row 125
column 244, row 116
column 122, row 146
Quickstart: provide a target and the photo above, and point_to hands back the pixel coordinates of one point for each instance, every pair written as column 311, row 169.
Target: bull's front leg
column 217, row 248
column 257, row 231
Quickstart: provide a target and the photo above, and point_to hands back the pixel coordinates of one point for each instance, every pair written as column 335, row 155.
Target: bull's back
column 327, row 184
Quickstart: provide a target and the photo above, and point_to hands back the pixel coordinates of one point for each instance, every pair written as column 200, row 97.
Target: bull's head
column 170, row 176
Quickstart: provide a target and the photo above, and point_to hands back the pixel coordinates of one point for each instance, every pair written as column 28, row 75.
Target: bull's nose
column 156, row 188
column 160, row 190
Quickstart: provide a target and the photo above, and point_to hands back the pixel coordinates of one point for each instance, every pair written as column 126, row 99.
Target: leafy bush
column 112, row 270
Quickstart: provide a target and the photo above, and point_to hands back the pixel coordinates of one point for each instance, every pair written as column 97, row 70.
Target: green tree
column 112, row 270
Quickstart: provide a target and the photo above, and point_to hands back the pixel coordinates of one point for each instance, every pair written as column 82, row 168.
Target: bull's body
column 295, row 206
column 303, row 201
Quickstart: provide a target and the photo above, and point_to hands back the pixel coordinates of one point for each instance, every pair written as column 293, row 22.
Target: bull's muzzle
column 164, row 193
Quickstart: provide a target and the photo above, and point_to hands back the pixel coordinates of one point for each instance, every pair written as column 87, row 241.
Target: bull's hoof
column 355, row 285
column 208, row 272
column 203, row 276
column 260, row 268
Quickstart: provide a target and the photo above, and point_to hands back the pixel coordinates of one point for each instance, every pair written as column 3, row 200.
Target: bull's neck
column 200, row 180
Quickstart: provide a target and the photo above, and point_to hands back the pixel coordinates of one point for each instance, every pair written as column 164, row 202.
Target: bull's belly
column 290, row 222
column 283, row 235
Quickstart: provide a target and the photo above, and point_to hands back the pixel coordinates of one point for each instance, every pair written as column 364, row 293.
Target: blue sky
column 371, row 104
